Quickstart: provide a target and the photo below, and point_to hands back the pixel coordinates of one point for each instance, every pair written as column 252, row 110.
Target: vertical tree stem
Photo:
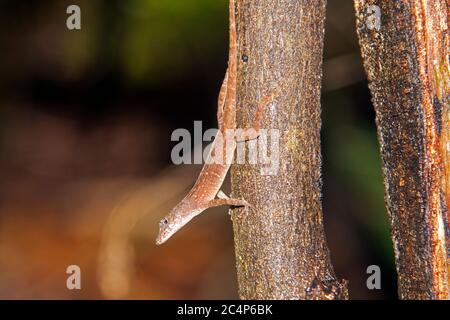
column 280, row 246
column 406, row 61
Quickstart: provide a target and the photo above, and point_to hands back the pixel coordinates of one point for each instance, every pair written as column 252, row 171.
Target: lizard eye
column 163, row 222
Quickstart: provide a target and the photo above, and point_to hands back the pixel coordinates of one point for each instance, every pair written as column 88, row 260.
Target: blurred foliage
column 151, row 40
column 147, row 40
column 161, row 36
column 353, row 154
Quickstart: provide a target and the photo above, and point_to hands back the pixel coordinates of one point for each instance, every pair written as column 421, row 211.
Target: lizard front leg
column 233, row 202
column 228, row 202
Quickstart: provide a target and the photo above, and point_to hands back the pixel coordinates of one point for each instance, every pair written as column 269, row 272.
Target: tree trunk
column 281, row 251
column 405, row 57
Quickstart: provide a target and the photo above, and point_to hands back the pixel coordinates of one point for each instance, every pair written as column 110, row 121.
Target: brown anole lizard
column 203, row 194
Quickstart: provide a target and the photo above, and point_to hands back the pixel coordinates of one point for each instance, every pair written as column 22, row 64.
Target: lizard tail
column 232, row 59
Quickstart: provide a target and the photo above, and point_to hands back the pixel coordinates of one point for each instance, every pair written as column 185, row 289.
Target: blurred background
column 85, row 124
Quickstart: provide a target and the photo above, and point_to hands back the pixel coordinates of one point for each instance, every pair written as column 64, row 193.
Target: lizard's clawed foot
column 228, row 202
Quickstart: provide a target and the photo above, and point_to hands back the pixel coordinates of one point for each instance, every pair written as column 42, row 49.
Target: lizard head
column 173, row 222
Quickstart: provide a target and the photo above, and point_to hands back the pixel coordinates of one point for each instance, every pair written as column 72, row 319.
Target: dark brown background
column 85, row 124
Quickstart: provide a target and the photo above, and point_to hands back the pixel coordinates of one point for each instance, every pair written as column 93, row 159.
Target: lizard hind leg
column 252, row 133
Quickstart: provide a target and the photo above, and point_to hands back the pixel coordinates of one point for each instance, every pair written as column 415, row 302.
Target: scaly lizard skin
column 203, row 194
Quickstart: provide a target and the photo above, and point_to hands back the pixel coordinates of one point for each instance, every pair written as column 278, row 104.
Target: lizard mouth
column 159, row 240
column 163, row 236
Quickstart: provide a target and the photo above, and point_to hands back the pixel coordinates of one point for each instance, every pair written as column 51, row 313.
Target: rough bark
column 281, row 251
column 408, row 71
